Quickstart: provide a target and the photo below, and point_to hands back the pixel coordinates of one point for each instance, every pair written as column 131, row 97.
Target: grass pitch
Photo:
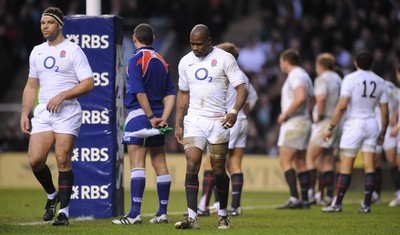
column 21, row 213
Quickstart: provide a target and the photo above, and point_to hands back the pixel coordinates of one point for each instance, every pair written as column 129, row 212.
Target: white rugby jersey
column 366, row 90
column 58, row 68
column 252, row 97
column 328, row 83
column 393, row 101
column 297, row 77
column 207, row 78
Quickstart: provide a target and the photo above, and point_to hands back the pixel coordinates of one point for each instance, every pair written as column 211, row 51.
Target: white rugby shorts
column 317, row 131
column 295, row 133
column 209, row 128
column 359, row 134
column 238, row 134
column 67, row 121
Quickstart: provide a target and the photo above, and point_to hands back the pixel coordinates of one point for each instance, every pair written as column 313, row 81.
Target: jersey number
column 371, row 95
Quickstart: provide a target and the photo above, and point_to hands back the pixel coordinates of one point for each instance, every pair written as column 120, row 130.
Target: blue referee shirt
column 147, row 72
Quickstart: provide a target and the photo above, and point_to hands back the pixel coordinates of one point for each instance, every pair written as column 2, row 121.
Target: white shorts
column 359, row 134
column 389, row 142
column 67, row 121
column 317, row 132
column 209, row 128
column 238, row 134
column 295, row 133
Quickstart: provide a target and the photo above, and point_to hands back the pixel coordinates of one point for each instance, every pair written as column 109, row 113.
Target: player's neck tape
column 59, row 21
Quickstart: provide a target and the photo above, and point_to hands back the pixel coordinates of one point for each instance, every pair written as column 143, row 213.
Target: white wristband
column 234, row 111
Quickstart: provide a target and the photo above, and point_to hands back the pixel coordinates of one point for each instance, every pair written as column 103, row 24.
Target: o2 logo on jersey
column 50, row 62
column 202, row 74
column 89, row 41
column 89, row 192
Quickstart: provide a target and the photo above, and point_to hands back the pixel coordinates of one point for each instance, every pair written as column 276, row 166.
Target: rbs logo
column 89, row 41
column 101, row 79
column 95, row 117
column 89, row 192
column 90, row 155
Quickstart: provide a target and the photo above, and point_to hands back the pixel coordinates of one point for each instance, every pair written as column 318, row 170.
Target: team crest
column 213, row 63
column 62, row 54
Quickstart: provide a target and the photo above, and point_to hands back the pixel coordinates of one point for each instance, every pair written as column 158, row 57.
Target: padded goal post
column 97, row 159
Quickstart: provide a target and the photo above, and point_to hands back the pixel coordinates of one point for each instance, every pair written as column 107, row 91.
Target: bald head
column 200, row 40
column 200, row 30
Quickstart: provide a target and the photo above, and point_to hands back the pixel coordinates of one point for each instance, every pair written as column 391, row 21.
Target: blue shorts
column 137, row 120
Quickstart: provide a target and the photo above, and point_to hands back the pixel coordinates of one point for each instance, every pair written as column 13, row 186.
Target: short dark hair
column 292, row 56
column 144, row 33
column 364, row 60
column 56, row 13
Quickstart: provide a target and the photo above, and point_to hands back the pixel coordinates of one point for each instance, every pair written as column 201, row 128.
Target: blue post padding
column 97, row 159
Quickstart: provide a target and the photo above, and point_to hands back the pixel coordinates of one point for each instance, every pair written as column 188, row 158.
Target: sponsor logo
column 101, row 79
column 90, row 155
column 89, row 41
column 95, row 117
column 89, row 192
column 137, row 199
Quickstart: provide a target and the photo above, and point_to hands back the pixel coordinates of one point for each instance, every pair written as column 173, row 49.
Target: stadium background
column 262, row 29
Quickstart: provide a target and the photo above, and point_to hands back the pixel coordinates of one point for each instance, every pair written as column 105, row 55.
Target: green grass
column 20, row 208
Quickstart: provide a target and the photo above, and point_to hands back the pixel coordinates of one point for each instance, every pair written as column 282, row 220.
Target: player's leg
column 344, row 180
column 234, row 164
column 391, row 158
column 218, row 155
column 39, row 147
column 63, row 150
column 300, row 163
column 194, row 152
column 286, row 158
column 313, row 153
column 159, row 163
column 327, row 176
column 369, row 181
column 208, row 187
column 378, row 174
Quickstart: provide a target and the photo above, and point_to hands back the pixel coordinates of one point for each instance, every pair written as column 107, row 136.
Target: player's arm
column 182, row 104
column 384, row 121
column 169, row 102
column 241, row 97
column 300, row 97
column 320, row 102
column 82, row 88
column 28, row 100
column 337, row 115
column 145, row 105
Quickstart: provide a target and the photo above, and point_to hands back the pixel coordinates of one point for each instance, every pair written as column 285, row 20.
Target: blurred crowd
column 342, row 27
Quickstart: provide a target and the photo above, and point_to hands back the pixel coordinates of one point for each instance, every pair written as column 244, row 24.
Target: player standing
column 204, row 76
column 63, row 73
column 296, row 103
column 361, row 92
column 150, row 97
column 327, row 91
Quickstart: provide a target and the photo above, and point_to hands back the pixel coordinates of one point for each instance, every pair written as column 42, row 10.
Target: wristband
column 234, row 111
column 331, row 126
column 150, row 117
column 382, row 133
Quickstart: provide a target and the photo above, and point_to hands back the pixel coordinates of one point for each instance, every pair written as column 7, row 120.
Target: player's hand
column 155, row 122
column 327, row 135
column 54, row 104
column 282, row 118
column 179, row 134
column 25, row 125
column 229, row 120
column 395, row 131
column 381, row 138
